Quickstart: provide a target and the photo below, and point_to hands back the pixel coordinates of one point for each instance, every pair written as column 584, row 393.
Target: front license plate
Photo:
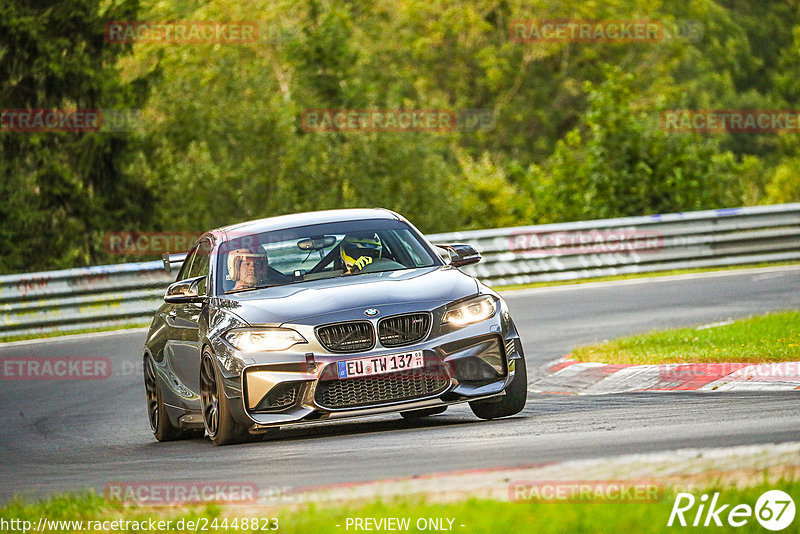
column 380, row 364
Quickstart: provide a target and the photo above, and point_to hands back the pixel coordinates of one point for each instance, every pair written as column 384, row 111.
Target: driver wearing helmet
column 358, row 250
column 247, row 267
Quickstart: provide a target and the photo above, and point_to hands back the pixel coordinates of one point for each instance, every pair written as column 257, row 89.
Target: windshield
column 319, row 251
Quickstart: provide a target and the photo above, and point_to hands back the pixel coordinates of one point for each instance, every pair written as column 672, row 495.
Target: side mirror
column 184, row 291
column 461, row 254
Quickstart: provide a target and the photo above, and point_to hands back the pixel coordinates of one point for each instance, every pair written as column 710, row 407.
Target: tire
column 512, row 402
column 217, row 418
column 162, row 428
column 416, row 414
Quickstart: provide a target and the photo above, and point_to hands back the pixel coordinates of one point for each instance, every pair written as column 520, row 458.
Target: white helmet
column 235, row 258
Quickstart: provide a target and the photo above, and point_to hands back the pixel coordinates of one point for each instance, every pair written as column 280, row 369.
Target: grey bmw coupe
column 325, row 315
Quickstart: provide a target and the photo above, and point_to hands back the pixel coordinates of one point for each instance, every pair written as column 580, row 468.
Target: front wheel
column 219, row 423
column 512, row 402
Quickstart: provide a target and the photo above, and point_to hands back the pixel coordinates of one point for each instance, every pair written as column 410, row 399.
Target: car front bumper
column 472, row 363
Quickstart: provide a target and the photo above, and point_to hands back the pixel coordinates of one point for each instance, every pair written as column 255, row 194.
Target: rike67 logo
column 774, row 510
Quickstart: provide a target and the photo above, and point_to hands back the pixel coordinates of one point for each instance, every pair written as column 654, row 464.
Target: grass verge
column 653, row 274
column 774, row 337
column 468, row 516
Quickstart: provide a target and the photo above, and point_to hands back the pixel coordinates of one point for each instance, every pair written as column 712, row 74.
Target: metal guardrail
column 110, row 295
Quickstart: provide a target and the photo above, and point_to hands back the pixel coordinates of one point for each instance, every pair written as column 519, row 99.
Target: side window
column 200, row 265
column 183, row 274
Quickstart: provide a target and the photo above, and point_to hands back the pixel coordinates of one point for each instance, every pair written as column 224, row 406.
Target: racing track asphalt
column 61, row 436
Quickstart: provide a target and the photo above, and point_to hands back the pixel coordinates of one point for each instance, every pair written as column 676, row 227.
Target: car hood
column 346, row 298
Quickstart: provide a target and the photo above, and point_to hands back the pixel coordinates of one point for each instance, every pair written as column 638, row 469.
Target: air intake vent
column 280, row 397
column 510, row 347
column 347, row 337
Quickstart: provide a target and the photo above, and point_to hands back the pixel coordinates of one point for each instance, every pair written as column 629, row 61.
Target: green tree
column 784, row 182
column 60, row 189
column 223, row 140
column 619, row 162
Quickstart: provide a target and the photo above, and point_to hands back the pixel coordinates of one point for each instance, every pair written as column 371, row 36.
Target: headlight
column 264, row 339
column 471, row 311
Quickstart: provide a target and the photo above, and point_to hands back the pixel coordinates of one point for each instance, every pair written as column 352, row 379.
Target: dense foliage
column 575, row 130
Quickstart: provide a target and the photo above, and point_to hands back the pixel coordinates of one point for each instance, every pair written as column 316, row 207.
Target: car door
column 183, row 349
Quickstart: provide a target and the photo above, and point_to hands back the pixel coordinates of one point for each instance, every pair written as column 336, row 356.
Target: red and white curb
column 570, row 377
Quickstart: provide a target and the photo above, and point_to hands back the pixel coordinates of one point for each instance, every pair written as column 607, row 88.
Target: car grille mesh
column 373, row 390
column 403, row 329
column 347, row 337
